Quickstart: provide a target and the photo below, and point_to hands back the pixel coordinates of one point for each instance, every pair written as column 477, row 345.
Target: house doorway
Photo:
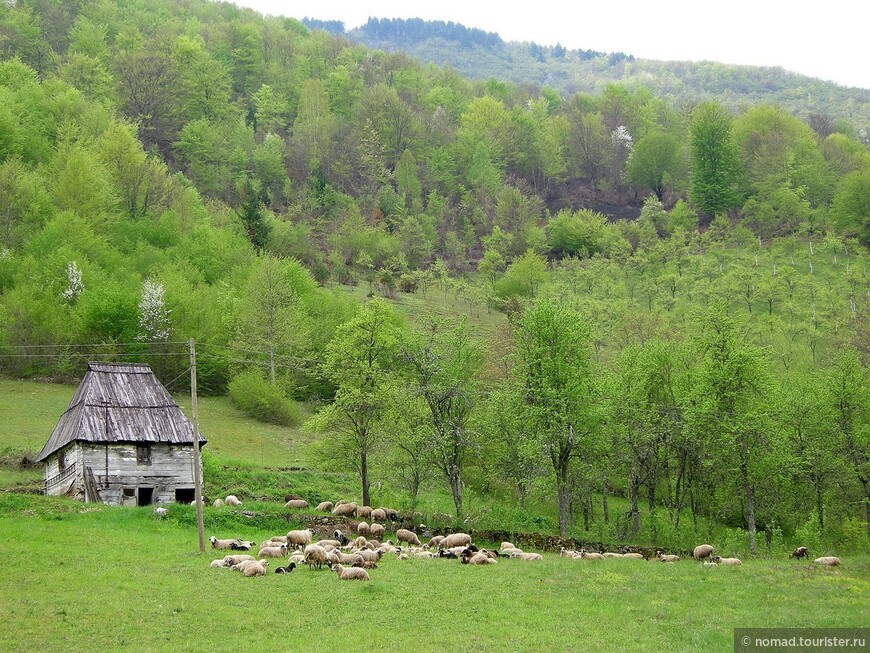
column 146, row 496
column 185, row 495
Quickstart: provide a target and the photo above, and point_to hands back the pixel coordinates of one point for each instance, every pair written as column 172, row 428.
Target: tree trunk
column 563, row 505
column 364, row 476
column 605, row 486
column 820, row 503
column 456, row 489
column 633, row 486
column 521, row 492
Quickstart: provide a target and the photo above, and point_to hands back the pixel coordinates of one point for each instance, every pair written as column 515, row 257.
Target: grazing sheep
column 325, row 506
column 410, row 537
column 800, row 552
column 232, row 560
column 255, row 569
column 363, row 529
column 160, row 512
column 296, row 504
column 285, row 570
column 360, row 543
column 368, row 554
column 667, row 557
column 315, row 556
column 563, row 552
column 340, row 537
column 702, row 551
column 273, row 551
column 221, row 544
column 242, row 545
column 434, row 542
column 390, row 514
column 217, row 503
column 232, row 500
column 591, row 555
column 377, row 531
column 350, row 573
column 363, row 512
column 456, row 539
column 299, row 538
column 345, row 509
column 378, row 514
column 337, row 557
column 218, row 563
column 526, row 556
column 728, row 562
column 827, row 561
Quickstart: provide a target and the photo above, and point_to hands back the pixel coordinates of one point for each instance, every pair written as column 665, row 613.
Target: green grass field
column 100, row 579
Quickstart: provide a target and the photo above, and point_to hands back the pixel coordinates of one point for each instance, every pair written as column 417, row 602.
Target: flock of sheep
column 351, row 559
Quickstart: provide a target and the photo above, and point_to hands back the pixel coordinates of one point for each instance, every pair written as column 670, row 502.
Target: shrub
column 259, row 399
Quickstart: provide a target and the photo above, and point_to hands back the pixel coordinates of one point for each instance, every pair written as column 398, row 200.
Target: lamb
column 363, row 512
column 360, row 543
column 667, row 557
column 455, row 539
column 217, row 503
column 563, row 552
column 410, row 537
column 325, row 506
column 363, row 529
column 296, row 504
column 732, row 562
column 299, row 538
column 587, row 555
column 378, row 514
column 526, row 556
column 710, row 563
column 702, row 551
column 160, row 512
column 273, row 551
column 242, row 545
column 479, row 558
column 377, row 531
column 800, row 552
column 434, row 542
column 221, row 544
column 423, row 555
column 338, row 535
column 232, row 560
column 827, row 561
column 350, row 573
column 285, row 570
column 232, row 500
column 255, row 569
column 298, row 558
column 345, row 509
column 315, row 556
column 218, row 563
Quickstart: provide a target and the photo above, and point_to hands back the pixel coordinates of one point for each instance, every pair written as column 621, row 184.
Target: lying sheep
column 219, row 563
column 325, row 506
column 378, row 514
column 611, row 554
column 702, row 551
column 507, row 546
column 285, row 570
column 315, row 556
column 479, row 558
column 273, row 551
column 526, row 556
column 255, row 569
column 217, row 503
column 710, row 563
column 728, row 562
column 296, row 504
column 298, row 558
column 350, row 573
column 232, row 500
column 232, row 560
column 667, row 557
column 591, row 555
column 345, row 509
column 409, row 537
column 299, row 538
column 241, row 566
column 221, row 544
column 800, row 552
column 827, row 561
column 363, row 512
column 456, row 539
column 242, row 545
column 632, row 556
column 278, row 539
column 366, row 564
column 160, row 512
column 363, row 529
column 377, row 531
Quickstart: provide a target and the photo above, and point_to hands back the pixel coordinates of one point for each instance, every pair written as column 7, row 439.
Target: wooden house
column 122, row 440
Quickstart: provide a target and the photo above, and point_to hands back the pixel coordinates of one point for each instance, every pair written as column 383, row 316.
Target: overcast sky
column 829, row 40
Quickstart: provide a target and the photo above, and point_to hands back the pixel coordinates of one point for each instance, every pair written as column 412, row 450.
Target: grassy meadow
column 103, row 578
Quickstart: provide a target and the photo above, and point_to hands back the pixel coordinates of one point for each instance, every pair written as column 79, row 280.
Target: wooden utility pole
column 197, row 464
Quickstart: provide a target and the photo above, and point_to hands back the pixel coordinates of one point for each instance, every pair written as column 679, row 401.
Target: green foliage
column 714, row 166
column 259, row 399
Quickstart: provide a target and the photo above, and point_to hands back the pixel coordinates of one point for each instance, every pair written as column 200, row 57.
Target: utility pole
column 197, row 469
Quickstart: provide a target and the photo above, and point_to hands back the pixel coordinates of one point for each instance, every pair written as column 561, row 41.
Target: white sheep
column 827, row 561
column 350, row 573
column 591, row 555
column 298, row 558
column 378, row 514
column 710, row 563
column 363, row 529
column 611, row 554
column 344, row 509
column 479, row 558
column 507, row 546
column 232, row 500
column 729, row 562
column 455, row 539
column 160, row 512
column 315, row 556
column 256, row 569
column 296, row 504
column 363, row 512
column 377, row 531
column 299, row 538
column 242, row 545
column 349, row 559
column 409, row 537
column 217, row 503
column 219, row 563
column 526, row 556
column 222, row 544
column 563, row 552
column 702, row 551
column 325, row 506
column 667, row 557
column 273, row 551
column 235, row 559
column 241, row 566
column 633, row 556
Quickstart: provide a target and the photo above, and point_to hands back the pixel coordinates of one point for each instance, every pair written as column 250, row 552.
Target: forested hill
column 483, row 55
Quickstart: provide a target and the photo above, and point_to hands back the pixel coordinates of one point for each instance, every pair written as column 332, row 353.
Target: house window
column 61, row 461
column 143, row 454
column 129, row 492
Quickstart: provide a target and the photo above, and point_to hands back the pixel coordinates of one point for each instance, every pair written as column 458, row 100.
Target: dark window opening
column 129, row 492
column 61, row 461
column 143, row 454
column 185, row 495
column 146, row 496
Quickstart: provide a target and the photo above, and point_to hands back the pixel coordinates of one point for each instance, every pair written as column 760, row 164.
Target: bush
column 263, row 401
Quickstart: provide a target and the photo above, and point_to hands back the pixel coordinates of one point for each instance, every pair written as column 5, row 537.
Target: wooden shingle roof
column 120, row 402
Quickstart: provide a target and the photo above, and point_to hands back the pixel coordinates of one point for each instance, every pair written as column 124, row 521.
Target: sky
column 827, row 39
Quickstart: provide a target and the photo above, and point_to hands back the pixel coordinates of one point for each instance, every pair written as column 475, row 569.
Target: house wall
column 69, row 486
column 171, row 468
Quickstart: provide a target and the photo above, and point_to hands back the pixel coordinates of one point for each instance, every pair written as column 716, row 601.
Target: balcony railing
column 60, row 478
